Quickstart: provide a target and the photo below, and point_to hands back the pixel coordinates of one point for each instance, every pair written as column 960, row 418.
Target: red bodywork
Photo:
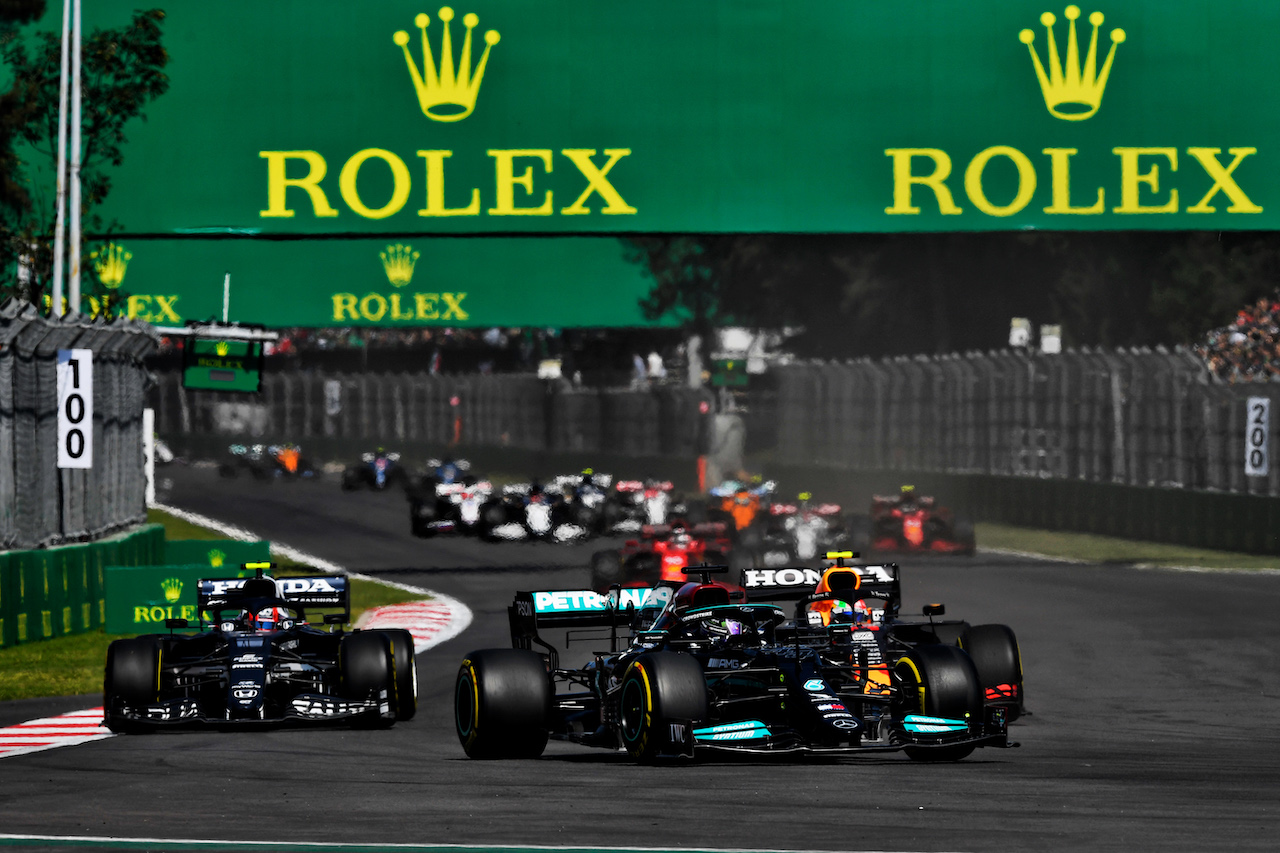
column 674, row 548
column 915, row 526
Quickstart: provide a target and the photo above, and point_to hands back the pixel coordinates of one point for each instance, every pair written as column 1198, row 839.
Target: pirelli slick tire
column 606, row 569
column 502, row 704
column 366, row 667
column 658, row 689
column 939, row 681
column 995, row 654
column 406, row 669
column 131, row 678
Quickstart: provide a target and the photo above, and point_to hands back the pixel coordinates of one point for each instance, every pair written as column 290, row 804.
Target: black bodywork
column 781, row 685
column 231, row 673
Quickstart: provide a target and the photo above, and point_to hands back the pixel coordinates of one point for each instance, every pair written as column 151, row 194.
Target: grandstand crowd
column 1248, row 348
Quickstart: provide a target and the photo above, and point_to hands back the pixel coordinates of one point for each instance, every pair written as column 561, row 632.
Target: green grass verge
column 1108, row 549
column 69, row 666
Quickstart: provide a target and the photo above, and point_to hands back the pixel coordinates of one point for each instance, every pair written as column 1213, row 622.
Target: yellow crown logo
column 110, row 263
column 1072, row 93
column 172, row 589
column 222, row 347
column 449, row 95
column 216, row 557
column 398, row 261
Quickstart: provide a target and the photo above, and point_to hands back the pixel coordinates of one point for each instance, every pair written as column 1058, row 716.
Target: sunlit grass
column 1109, row 549
column 72, row 665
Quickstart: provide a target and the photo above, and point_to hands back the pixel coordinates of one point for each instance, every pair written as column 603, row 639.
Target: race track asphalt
column 1155, row 725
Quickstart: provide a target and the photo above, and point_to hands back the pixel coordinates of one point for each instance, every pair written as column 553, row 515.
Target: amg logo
column 724, row 663
column 781, row 577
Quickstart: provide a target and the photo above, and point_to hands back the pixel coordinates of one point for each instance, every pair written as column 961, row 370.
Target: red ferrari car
column 660, row 554
column 915, row 523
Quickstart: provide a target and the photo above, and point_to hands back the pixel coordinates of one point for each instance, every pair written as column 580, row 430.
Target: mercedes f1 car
column 257, row 661
column 690, row 670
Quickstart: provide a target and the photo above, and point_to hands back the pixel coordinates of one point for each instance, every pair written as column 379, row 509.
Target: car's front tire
column 366, row 668
column 502, row 702
column 658, row 689
column 939, row 681
column 131, row 678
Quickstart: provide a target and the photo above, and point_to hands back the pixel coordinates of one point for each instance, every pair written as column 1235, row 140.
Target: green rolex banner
column 140, row 598
column 219, row 555
column 391, row 125
column 401, row 281
column 405, row 117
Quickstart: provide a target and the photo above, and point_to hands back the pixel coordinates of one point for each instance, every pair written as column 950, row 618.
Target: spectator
column 657, row 370
column 1247, row 349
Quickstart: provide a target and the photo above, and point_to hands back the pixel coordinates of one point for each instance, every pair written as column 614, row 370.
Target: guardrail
column 41, row 504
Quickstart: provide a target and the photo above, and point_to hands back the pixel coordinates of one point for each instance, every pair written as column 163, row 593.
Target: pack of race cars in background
column 762, row 527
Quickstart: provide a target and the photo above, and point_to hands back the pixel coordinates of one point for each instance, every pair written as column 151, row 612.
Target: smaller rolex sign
column 140, row 598
column 222, row 365
column 75, row 408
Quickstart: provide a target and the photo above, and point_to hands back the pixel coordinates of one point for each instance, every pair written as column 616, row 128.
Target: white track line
column 87, row 840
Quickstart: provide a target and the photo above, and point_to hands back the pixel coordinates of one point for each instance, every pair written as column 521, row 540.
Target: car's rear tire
column 132, row 678
column 658, row 689
column 995, row 654
column 606, row 569
column 502, row 702
column 366, row 668
column 939, row 681
column 406, row 668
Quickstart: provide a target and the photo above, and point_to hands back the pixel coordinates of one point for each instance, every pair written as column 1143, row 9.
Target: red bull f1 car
column 692, row 670
column 257, row 661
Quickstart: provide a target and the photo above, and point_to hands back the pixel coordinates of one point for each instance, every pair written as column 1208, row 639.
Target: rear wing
column 579, row 608
column 329, row 592
column 878, row 580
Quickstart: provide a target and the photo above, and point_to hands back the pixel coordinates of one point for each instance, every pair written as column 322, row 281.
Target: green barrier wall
column 54, row 592
column 220, row 554
column 1199, row 519
column 140, row 598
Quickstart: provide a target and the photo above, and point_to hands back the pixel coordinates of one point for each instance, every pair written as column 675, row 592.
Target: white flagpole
column 226, row 297
column 60, row 226
column 73, row 288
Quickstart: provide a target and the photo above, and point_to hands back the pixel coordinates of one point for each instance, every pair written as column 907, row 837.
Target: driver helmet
column 270, row 619
column 723, row 628
column 680, row 537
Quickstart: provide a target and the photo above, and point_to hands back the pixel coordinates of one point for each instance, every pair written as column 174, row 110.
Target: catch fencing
column 41, row 504
column 1135, row 417
column 516, row 411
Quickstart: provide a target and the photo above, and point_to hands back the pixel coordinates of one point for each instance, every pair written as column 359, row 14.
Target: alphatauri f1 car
column 695, row 671
column 257, row 661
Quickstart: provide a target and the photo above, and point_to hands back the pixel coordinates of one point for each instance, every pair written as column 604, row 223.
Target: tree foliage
column 122, row 72
column 884, row 294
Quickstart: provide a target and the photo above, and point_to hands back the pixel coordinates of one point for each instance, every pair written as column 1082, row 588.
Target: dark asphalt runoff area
column 1154, row 725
